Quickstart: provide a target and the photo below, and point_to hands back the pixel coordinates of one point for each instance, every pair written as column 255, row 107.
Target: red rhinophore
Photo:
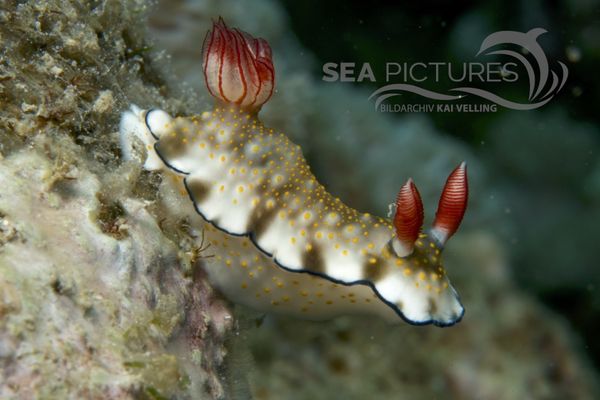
column 453, row 203
column 237, row 67
column 409, row 214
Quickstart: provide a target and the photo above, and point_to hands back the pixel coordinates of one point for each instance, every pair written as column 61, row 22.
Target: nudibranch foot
column 281, row 242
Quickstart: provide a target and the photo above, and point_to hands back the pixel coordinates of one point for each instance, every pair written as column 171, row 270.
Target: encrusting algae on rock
column 96, row 300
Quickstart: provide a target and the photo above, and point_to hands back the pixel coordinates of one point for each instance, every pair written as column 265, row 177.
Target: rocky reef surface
column 102, row 294
column 99, row 293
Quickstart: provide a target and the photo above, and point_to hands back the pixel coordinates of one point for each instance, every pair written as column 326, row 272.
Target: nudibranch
column 281, row 242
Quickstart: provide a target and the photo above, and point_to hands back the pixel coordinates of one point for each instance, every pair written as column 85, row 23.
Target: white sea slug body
column 281, row 242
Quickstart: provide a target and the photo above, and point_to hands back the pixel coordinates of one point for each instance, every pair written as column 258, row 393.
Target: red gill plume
column 409, row 215
column 238, row 68
column 452, row 205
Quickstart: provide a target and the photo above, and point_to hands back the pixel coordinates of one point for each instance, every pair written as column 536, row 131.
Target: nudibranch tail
column 452, row 205
column 238, row 68
column 408, row 218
